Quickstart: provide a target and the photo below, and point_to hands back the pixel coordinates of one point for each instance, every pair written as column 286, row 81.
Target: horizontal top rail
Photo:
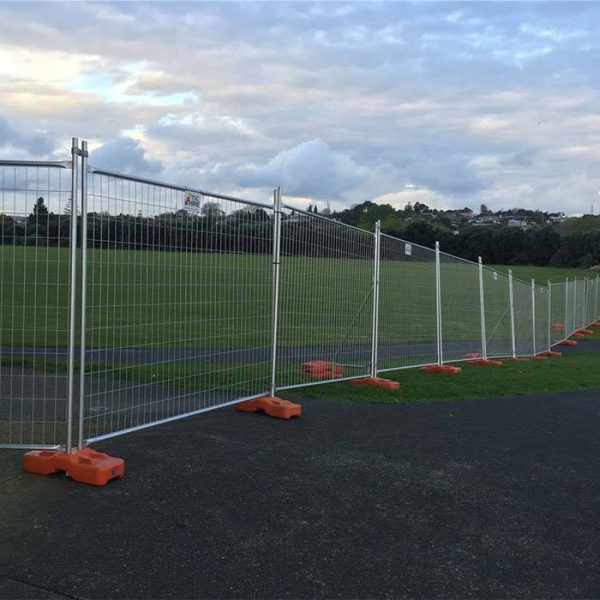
column 179, row 188
column 56, row 164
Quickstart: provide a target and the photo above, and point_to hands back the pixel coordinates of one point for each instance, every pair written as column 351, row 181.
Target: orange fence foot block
column 584, row 332
column 84, row 466
column 446, row 369
column 272, row 406
column 550, row 353
column 515, row 359
column 540, row 356
column 386, row 384
column 486, row 363
column 322, row 369
column 596, row 324
column 570, row 343
column 473, row 355
column 557, row 327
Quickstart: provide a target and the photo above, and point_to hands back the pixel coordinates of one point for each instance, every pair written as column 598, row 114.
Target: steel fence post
column 438, row 304
column 575, row 327
column 375, row 316
column 566, row 331
column 275, row 286
column 549, row 315
column 482, row 310
column 533, row 314
column 511, row 300
column 585, row 300
column 72, row 291
column 596, row 300
column 84, row 174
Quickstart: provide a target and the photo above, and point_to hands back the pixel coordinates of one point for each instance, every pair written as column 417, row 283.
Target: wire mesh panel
column 179, row 303
column 592, row 300
column 524, row 338
column 558, row 330
column 542, row 325
column 407, row 306
column 35, row 226
column 579, row 304
column 497, row 314
column 460, row 307
column 325, row 300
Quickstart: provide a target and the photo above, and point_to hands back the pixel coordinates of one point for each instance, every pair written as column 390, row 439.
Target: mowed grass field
column 139, row 299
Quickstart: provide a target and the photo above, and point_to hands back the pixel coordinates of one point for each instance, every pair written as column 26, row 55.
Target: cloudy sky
column 452, row 104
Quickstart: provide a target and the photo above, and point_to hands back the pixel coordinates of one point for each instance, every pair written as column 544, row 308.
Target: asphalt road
column 481, row 498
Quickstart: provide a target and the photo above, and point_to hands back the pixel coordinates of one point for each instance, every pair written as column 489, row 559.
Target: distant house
column 556, row 217
column 515, row 222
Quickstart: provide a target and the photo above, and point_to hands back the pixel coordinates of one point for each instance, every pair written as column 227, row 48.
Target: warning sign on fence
column 408, row 249
column 192, row 202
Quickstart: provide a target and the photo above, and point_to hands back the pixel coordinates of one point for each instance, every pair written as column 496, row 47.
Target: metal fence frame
column 535, row 308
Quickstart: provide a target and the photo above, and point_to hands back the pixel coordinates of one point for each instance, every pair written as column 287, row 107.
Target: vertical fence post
column 375, row 320
column 549, row 316
column 533, row 314
column 84, row 175
column 482, row 310
column 275, row 286
column 511, row 301
column 585, row 301
column 596, row 300
column 575, row 326
column 438, row 304
column 566, row 330
column 72, row 291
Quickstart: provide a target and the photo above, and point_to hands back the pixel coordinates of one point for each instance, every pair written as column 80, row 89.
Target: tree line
column 250, row 230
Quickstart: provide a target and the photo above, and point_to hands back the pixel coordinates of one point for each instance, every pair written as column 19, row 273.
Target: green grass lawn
column 578, row 370
column 223, row 300
column 543, row 274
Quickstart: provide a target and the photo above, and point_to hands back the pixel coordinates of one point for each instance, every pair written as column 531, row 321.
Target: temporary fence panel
column 558, row 330
column 35, row 225
column 497, row 314
column 460, row 308
column 542, row 319
column 592, row 301
column 523, row 308
column 179, row 296
column 325, row 300
column 407, row 305
column 579, row 304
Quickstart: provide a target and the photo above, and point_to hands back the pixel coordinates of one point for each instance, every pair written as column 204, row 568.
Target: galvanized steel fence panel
column 407, row 305
column 178, row 303
column 325, row 300
column 35, row 224
column 497, row 314
column 460, row 309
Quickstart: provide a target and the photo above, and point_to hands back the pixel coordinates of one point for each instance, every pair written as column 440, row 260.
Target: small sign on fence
column 408, row 249
column 192, row 202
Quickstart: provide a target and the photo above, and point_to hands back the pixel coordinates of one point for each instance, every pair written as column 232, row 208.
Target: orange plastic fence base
column 84, row 466
column 515, row 359
column 447, row 369
column 579, row 334
column 320, row 369
column 584, row 332
column 596, row 324
column 570, row 343
column 386, row 384
column 473, row 355
column 486, row 363
column 540, row 356
column 550, row 353
column 557, row 327
column 272, row 406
